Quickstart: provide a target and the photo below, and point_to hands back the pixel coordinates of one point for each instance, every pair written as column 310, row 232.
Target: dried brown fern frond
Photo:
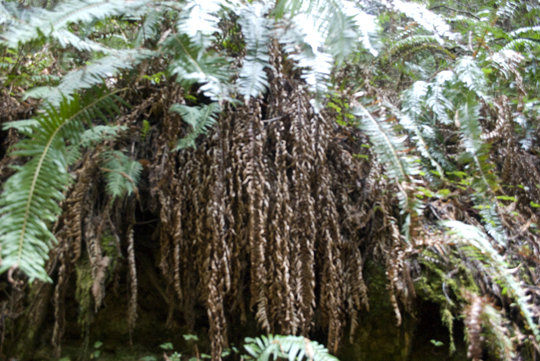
column 303, row 230
column 484, row 327
column 132, row 271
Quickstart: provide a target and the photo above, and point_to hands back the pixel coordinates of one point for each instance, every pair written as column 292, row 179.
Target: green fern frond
column 96, row 134
column 341, row 27
column 303, row 42
column 492, row 260
column 199, row 22
column 524, row 30
column 89, row 76
column 388, row 146
column 193, row 64
column 11, row 13
column 29, row 199
column 23, row 126
column 256, row 29
column 292, row 348
column 426, row 18
column 66, row 38
column 468, row 115
column 520, row 44
column 420, row 137
column 507, row 8
column 410, row 42
column 490, row 217
column 475, row 149
column 148, row 29
column 121, row 172
column 437, row 100
column 44, row 22
column 201, row 118
column 470, row 73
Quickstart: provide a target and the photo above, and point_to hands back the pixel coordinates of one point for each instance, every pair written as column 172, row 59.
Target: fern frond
column 29, row 199
column 11, row 13
column 520, row 44
column 507, row 8
column 491, row 259
column 387, row 145
column 92, row 136
column 193, row 64
column 66, row 38
column 524, row 30
column 410, row 42
column 121, row 172
column 476, row 150
column 410, row 123
column 470, row 73
column 290, row 347
column 366, row 24
column 491, row 220
column 89, row 76
column 44, row 22
column 439, row 103
column 340, row 26
column 23, row 126
column 199, row 117
column 304, row 43
column 430, row 21
column 148, row 29
column 413, row 98
column 199, row 22
column 256, row 29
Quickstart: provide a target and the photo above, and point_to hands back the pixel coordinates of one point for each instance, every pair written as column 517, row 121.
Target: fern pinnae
column 410, row 124
column 380, row 132
column 199, row 117
column 192, row 65
column 289, row 347
column 255, row 27
column 526, row 29
column 90, row 75
column 51, row 127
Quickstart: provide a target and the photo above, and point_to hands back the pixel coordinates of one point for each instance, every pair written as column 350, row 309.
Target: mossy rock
column 378, row 338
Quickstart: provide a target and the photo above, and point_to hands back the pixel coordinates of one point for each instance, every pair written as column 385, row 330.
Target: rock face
column 377, row 338
column 421, row 336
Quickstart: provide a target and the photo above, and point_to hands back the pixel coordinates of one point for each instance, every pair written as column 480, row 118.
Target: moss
column 378, row 337
column 110, row 249
column 443, row 283
column 83, row 293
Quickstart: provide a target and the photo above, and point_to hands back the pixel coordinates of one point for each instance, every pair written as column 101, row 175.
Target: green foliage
column 255, row 27
column 193, row 64
column 427, row 116
column 29, row 199
column 388, row 145
column 121, row 172
column 290, row 347
column 199, row 117
column 481, row 249
column 145, row 129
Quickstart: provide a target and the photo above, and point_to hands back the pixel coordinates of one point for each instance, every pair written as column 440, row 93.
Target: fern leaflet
column 199, row 117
